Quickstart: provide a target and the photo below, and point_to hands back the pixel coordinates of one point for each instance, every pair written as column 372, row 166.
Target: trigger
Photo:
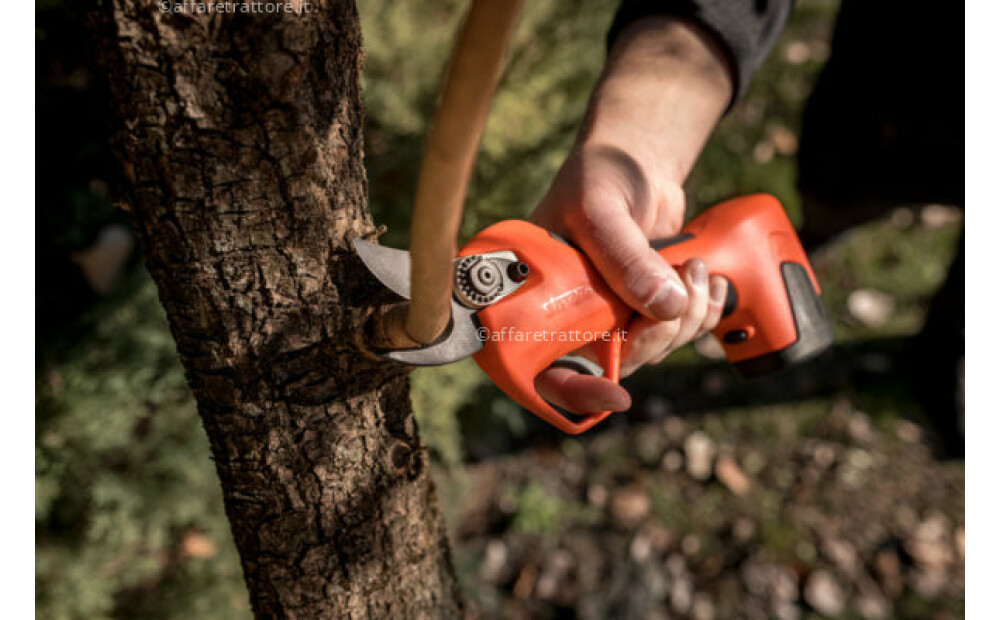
column 731, row 299
column 580, row 364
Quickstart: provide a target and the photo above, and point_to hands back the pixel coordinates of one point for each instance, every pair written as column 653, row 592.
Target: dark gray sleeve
column 747, row 29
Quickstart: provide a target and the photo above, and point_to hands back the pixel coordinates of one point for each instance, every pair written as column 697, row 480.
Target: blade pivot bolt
column 518, row 271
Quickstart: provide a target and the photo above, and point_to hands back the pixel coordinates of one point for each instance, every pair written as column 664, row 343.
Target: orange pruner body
column 562, row 303
column 773, row 313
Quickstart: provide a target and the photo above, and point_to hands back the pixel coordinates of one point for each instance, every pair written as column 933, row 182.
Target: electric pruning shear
column 516, row 280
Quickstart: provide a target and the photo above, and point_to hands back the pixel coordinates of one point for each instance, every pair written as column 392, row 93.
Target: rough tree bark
column 240, row 136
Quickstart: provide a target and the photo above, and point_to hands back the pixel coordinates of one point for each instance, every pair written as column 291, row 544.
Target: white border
column 17, row 311
column 982, row 170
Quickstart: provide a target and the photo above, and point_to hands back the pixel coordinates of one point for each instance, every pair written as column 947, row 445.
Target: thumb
column 619, row 249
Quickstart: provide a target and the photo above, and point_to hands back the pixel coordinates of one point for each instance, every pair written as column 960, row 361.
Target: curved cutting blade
column 389, row 265
column 462, row 339
column 392, row 268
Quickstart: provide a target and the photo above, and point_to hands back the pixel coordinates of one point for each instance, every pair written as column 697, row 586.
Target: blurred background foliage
column 129, row 519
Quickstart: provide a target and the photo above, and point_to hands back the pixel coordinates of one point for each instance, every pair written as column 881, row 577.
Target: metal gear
column 478, row 281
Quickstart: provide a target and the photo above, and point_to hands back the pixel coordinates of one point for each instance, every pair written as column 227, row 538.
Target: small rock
column 659, row 537
column 630, row 507
column 690, row 545
column 842, row 555
column 708, row 347
column 870, row 307
column 785, row 475
column 681, row 595
column 840, row 411
column 931, row 543
column 784, row 584
column 796, row 52
column 937, row 216
column 859, row 459
column 702, row 607
column 787, row 611
column 859, row 427
column 649, row 448
column 547, row 587
column 908, row 431
column 506, row 502
column 494, row 561
column 655, row 581
column 574, row 471
column 197, row 545
column 597, row 495
column 672, row 461
column 676, row 565
column 850, row 474
column 561, row 561
column 805, row 551
column 729, row 473
column 929, row 582
column 755, row 577
column 809, row 476
column 744, row 529
column 557, row 567
column 674, row 428
column 784, row 140
column 750, row 112
column 56, row 381
column 763, row 152
column 770, row 582
column 888, row 569
column 902, row 218
column 824, row 455
column 873, row 606
column 824, row 594
column 906, row 518
column 102, row 262
column 641, row 549
column 754, row 461
column 819, row 50
column 52, row 440
column 700, row 452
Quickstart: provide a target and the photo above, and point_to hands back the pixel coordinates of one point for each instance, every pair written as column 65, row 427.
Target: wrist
column 665, row 86
column 672, row 46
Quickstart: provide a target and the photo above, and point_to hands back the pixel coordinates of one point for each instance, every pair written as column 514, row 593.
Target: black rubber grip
column 812, row 326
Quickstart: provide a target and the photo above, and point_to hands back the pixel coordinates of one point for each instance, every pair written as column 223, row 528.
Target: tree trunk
column 240, row 136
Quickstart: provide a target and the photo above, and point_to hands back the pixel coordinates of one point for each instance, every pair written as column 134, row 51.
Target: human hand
column 622, row 186
column 604, row 203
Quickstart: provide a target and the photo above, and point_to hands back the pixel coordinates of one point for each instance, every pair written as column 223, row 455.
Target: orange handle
column 747, row 240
